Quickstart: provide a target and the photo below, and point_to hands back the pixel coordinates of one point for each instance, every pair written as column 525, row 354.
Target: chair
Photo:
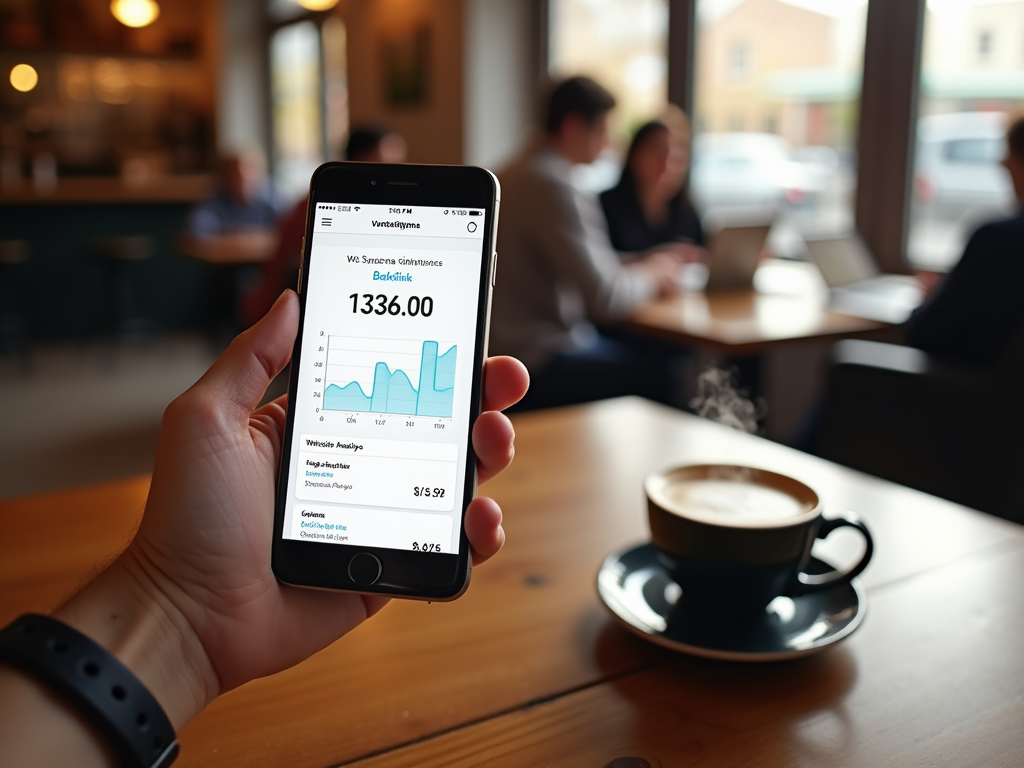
column 13, row 331
column 958, row 433
column 118, row 255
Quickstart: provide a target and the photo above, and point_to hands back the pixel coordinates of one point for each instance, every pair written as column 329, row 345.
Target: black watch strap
column 100, row 687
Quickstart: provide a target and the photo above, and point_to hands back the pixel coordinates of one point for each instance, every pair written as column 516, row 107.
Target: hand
column 665, row 268
column 685, row 252
column 928, row 280
column 196, row 608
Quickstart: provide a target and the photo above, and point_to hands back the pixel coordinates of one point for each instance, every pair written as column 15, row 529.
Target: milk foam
column 729, row 502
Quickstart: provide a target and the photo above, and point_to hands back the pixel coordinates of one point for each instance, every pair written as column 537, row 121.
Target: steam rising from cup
column 719, row 400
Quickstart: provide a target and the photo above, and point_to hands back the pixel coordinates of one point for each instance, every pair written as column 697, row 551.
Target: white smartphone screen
column 382, row 404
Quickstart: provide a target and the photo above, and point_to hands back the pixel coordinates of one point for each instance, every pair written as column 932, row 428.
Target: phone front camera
column 373, row 183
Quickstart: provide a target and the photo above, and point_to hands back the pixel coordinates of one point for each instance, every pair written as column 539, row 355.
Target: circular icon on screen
column 471, row 226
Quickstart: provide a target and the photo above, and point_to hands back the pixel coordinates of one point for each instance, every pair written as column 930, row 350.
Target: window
column 740, row 66
column 970, row 84
column 296, row 106
column 309, row 88
column 777, row 86
column 984, row 44
column 621, row 44
column 335, row 46
column 974, row 151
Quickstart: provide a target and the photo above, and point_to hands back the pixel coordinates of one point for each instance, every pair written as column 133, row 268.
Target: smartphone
column 377, row 465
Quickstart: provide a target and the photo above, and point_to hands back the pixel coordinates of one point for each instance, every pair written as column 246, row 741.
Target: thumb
column 239, row 378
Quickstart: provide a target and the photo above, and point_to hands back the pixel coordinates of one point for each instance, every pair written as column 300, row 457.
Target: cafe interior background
column 113, row 116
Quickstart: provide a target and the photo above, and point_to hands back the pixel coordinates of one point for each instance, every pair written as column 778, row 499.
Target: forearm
column 37, row 727
column 123, row 611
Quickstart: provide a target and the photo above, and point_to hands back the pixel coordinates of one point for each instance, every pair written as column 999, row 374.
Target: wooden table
column 789, row 304
column 528, row 669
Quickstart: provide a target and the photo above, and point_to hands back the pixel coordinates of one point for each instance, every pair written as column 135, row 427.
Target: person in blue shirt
column 235, row 230
column 244, row 201
column 971, row 316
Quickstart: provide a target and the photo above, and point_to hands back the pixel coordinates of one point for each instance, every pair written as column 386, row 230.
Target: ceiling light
column 317, row 5
column 135, row 13
column 24, row 78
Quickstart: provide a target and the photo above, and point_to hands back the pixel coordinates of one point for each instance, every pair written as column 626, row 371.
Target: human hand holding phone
column 192, row 606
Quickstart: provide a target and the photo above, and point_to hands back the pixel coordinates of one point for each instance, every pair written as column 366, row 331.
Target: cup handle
column 813, row 582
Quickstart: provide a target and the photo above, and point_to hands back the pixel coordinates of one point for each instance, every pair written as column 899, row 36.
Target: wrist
column 124, row 610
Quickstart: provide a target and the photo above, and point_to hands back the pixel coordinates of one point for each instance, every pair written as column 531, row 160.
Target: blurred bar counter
column 61, row 285
column 187, row 188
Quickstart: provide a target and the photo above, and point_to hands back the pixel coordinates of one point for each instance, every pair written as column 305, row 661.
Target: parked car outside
column 958, row 183
column 748, row 170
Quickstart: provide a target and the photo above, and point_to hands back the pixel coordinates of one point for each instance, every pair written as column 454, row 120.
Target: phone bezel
column 405, row 574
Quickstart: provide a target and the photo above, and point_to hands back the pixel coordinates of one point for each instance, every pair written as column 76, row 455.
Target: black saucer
column 644, row 598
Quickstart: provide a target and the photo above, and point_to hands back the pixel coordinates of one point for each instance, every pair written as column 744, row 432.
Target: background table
column 529, row 669
column 789, row 303
column 784, row 321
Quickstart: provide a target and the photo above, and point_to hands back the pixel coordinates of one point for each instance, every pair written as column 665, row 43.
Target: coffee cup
column 735, row 538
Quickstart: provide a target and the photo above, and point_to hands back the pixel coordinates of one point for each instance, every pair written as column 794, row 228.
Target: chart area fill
column 395, row 376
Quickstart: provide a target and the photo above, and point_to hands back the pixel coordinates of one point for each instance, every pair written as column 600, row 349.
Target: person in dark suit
column 649, row 207
column 971, row 315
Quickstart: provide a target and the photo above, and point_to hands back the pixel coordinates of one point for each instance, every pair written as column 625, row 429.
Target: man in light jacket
column 558, row 277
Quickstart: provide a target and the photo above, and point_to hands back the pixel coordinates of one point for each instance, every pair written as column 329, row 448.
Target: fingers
column 241, row 375
column 505, row 382
column 269, row 420
column 274, row 412
column 493, row 441
column 483, row 529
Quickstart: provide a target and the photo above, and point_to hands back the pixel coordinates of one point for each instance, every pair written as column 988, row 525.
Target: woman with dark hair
column 649, row 206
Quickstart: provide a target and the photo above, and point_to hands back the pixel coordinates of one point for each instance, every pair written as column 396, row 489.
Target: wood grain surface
column 422, row 683
column 933, row 679
column 51, row 542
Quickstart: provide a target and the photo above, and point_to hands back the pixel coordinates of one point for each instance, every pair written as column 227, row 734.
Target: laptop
column 735, row 254
column 856, row 284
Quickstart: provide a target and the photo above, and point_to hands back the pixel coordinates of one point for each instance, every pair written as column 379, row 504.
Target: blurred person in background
column 559, row 275
column 233, row 231
column 375, row 144
column 244, row 208
column 971, row 315
column 650, row 207
column 366, row 144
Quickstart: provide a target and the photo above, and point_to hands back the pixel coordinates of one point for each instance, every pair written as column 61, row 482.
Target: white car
column 747, row 170
column 958, row 173
column 958, row 183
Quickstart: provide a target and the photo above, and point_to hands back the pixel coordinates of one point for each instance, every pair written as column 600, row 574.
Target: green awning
column 811, row 85
column 819, row 85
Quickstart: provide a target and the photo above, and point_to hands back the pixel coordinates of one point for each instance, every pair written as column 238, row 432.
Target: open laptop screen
column 842, row 260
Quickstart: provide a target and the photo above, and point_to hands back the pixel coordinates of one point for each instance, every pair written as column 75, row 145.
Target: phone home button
column 364, row 569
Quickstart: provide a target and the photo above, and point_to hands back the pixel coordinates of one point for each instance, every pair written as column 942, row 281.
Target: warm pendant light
column 24, row 77
column 318, row 5
column 135, row 13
